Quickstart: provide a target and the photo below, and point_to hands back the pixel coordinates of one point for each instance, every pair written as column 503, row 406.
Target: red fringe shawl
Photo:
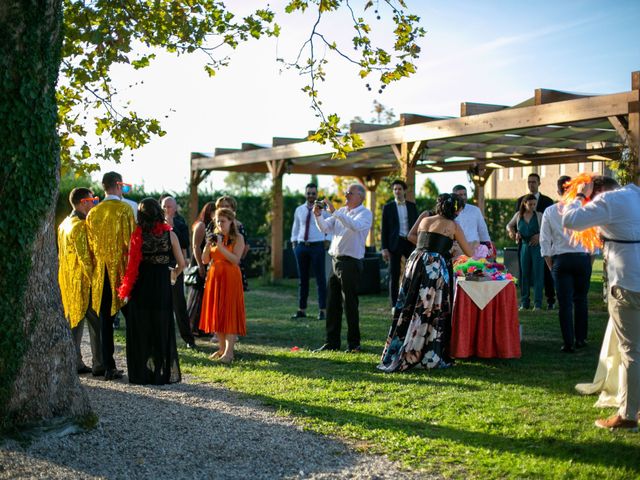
column 135, row 257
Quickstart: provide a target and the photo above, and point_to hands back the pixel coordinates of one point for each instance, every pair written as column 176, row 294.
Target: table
column 489, row 332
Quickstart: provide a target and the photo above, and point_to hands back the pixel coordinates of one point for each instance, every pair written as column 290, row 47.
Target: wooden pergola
column 552, row 127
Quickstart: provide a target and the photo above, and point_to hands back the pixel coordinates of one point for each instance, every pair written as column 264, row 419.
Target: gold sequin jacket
column 109, row 227
column 75, row 268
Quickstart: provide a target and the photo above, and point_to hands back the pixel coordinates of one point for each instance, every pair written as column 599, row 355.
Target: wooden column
column 479, row 175
column 634, row 127
column 407, row 156
column 197, row 176
column 277, row 170
column 371, row 183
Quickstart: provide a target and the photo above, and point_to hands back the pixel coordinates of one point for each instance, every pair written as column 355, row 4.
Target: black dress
column 421, row 327
column 152, row 356
column 194, row 296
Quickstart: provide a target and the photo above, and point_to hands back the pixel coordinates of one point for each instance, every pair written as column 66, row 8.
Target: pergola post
column 407, row 156
column 371, row 183
column 197, row 176
column 634, row 127
column 277, row 170
column 479, row 175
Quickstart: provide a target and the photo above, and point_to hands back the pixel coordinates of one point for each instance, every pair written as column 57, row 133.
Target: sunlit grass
column 479, row 419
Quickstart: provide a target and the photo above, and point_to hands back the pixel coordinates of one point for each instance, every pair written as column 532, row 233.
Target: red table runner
column 492, row 332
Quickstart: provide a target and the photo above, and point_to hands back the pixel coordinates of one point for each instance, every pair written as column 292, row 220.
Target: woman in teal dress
column 528, row 223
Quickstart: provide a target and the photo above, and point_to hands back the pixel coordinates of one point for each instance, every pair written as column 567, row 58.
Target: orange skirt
column 223, row 299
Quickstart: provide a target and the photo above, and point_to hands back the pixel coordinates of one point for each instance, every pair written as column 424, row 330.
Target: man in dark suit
column 398, row 216
column 533, row 182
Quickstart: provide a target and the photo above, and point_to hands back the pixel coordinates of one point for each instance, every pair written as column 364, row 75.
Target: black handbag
column 192, row 277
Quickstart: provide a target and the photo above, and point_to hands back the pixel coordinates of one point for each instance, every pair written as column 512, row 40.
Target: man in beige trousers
column 615, row 211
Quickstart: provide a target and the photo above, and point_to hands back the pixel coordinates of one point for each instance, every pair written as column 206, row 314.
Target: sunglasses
column 94, row 200
column 126, row 187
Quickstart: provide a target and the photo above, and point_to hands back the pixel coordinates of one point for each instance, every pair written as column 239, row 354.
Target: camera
column 320, row 204
column 210, row 235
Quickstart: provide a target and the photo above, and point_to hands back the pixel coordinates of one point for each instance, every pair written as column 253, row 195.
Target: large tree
column 37, row 364
column 39, row 126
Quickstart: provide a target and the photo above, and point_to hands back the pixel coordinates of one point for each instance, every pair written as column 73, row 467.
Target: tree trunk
column 38, row 377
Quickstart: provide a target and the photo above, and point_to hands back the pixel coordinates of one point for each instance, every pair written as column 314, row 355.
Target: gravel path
column 190, row 431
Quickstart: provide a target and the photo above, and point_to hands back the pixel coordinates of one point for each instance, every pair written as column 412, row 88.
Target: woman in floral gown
column 421, row 326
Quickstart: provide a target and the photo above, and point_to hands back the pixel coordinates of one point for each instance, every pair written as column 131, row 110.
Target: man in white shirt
column 471, row 220
column 571, row 269
column 308, row 248
column 616, row 213
column 350, row 226
column 398, row 216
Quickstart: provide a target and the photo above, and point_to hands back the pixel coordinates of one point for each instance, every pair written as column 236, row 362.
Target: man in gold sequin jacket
column 109, row 228
column 74, row 276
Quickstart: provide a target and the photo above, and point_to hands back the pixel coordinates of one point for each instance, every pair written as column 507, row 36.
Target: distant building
column 512, row 182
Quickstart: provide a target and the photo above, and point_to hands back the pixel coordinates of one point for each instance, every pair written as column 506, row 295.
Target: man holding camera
column 308, row 248
column 350, row 226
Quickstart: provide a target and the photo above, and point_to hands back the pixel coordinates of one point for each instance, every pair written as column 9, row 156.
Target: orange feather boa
column 589, row 238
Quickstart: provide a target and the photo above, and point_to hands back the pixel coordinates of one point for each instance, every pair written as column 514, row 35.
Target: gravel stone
column 188, row 430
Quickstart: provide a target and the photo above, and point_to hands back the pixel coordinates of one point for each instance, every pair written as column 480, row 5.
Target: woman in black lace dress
column 421, row 327
column 152, row 356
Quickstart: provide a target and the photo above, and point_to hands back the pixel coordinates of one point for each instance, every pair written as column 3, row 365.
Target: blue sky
column 480, row 51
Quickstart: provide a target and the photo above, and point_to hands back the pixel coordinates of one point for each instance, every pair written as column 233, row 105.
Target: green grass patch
column 478, row 419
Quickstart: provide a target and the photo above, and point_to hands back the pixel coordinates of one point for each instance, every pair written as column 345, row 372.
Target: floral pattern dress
column 421, row 328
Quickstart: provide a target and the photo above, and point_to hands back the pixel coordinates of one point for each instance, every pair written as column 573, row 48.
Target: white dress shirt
column 349, row 228
column 133, row 205
column 403, row 217
column 472, row 224
column 299, row 222
column 554, row 239
column 617, row 213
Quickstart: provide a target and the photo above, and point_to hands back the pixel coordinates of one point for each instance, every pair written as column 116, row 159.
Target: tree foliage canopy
column 101, row 34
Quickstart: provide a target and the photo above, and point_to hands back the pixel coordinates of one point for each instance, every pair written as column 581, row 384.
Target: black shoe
column 113, row 374
column 83, row 369
column 551, row 306
column 322, row 316
column 567, row 349
column 581, row 344
column 356, row 349
column 299, row 314
column 192, row 346
column 97, row 373
column 327, row 348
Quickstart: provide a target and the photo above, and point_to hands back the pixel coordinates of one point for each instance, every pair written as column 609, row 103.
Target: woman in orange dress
column 223, row 310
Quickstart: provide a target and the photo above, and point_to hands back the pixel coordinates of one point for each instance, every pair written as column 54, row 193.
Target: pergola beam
column 588, row 108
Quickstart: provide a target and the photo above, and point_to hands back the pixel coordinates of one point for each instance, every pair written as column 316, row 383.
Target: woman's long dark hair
column 523, row 207
column 448, row 205
column 149, row 213
column 205, row 214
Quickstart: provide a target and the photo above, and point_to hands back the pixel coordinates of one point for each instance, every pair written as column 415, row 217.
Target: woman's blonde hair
column 231, row 216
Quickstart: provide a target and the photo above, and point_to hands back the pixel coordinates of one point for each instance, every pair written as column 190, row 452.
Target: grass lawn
column 478, row 419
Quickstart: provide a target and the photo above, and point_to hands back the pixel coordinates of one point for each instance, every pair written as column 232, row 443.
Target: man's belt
column 311, row 244
column 605, row 239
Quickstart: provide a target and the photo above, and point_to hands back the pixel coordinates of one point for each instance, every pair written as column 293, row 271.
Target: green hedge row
column 255, row 210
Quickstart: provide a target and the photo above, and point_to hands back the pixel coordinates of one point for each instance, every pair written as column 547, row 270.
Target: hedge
column 255, row 210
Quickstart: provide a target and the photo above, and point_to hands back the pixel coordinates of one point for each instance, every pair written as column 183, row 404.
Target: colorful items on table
column 476, row 269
